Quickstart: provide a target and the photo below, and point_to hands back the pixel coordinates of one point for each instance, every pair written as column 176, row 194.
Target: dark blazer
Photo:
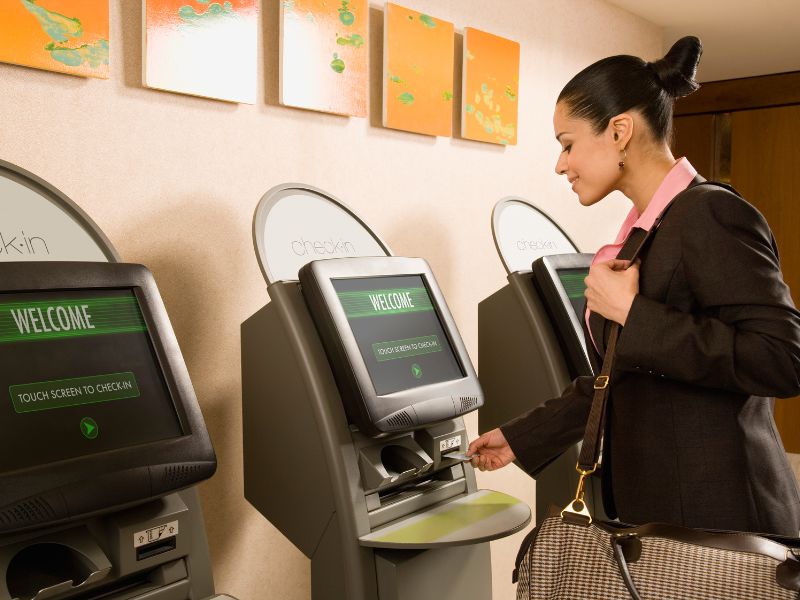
column 711, row 337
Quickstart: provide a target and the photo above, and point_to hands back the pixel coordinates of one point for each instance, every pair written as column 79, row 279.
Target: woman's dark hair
column 621, row 83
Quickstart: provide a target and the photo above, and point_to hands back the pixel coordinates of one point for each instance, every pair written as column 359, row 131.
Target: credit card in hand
column 459, row 456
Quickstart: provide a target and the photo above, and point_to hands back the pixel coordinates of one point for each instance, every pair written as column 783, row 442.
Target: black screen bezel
column 144, row 462
column 364, row 407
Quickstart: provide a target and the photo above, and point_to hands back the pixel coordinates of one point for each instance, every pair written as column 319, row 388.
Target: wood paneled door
column 747, row 132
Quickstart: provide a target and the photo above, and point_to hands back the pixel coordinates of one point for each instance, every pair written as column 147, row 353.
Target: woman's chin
column 587, row 199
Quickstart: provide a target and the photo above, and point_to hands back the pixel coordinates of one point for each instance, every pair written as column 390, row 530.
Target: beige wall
column 173, row 181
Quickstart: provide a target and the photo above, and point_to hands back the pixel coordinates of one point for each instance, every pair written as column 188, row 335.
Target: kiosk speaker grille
column 176, row 474
column 468, row 403
column 27, row 512
column 400, row 420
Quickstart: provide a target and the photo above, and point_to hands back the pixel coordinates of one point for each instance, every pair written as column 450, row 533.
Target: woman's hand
column 611, row 287
column 490, row 451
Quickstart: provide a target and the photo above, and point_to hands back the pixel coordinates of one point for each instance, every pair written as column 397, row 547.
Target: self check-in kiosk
column 530, row 339
column 354, row 382
column 101, row 436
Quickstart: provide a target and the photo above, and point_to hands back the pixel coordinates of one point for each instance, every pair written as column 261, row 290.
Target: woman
column 710, row 331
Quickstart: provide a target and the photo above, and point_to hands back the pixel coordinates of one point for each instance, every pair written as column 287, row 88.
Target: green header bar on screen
column 376, row 303
column 574, row 284
column 54, row 319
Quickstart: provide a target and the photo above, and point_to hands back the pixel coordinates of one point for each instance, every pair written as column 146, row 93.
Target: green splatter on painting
column 406, row 98
column 485, row 96
column 510, row 93
column 58, row 27
column 447, row 95
column 354, row 40
column 215, row 11
column 55, row 25
column 395, row 79
column 345, row 16
column 337, row 64
column 95, row 54
column 427, row 21
column 493, row 124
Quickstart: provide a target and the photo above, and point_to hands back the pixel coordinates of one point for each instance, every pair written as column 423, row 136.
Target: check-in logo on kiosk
column 296, row 223
column 523, row 234
column 38, row 229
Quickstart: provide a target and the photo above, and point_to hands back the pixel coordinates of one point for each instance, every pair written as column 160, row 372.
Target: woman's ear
column 620, row 128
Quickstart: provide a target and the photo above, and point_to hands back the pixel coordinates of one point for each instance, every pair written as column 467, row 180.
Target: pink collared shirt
column 679, row 177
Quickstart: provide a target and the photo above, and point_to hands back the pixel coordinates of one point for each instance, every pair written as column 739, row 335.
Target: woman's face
column 589, row 161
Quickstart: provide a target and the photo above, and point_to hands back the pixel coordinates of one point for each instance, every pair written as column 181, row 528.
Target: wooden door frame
column 764, row 91
column 720, row 98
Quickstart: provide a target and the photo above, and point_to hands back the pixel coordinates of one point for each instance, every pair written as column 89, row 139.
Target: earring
column 624, row 158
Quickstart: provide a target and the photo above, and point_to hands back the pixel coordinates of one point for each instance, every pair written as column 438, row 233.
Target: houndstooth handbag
column 570, row 556
column 565, row 560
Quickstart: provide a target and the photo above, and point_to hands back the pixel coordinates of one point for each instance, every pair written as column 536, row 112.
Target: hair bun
column 677, row 69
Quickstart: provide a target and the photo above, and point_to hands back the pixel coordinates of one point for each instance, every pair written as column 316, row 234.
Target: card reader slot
column 156, row 548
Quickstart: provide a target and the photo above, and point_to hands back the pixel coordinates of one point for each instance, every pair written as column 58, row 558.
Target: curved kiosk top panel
column 99, row 424
column 522, row 233
column 41, row 223
column 357, row 367
column 297, row 223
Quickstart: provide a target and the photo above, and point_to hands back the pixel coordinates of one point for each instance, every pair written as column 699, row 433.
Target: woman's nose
column 561, row 164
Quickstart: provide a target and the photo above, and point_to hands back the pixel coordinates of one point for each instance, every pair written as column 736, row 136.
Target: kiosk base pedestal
column 414, row 575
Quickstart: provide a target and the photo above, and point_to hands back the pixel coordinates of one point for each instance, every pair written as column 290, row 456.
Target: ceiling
column 741, row 38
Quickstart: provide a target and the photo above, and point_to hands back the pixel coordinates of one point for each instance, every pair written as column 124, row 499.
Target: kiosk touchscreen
column 393, row 346
column 357, row 367
column 98, row 397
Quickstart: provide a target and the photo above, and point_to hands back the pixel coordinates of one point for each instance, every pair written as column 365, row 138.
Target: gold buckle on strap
column 577, row 507
column 601, row 382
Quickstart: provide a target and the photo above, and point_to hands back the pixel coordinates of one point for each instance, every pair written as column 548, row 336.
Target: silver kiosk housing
column 530, row 342
column 389, row 517
column 95, row 556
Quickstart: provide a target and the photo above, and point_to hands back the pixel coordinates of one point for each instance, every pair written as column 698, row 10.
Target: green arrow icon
column 416, row 371
column 89, row 428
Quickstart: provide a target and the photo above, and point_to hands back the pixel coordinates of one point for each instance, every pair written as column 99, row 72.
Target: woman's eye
column 567, row 148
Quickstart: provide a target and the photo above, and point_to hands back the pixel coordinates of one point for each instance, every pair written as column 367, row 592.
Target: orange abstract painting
column 324, row 55
column 417, row 72
column 56, row 35
column 202, row 47
column 490, row 88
